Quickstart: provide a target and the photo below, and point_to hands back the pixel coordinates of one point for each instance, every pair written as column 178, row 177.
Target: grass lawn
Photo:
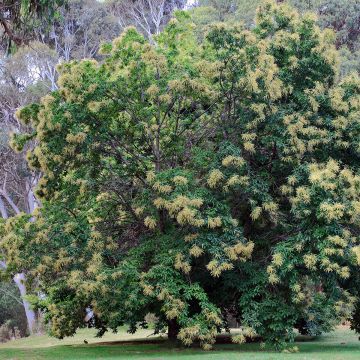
column 340, row 345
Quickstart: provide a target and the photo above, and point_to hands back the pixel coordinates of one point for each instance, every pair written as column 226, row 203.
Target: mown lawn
column 340, row 345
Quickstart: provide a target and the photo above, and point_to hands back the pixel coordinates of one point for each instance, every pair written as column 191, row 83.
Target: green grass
column 340, row 345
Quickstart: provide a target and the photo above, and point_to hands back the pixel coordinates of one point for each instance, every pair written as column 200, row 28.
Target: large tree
column 197, row 181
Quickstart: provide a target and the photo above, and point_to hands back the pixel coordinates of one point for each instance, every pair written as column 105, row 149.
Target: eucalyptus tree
column 25, row 77
column 19, row 17
column 79, row 29
column 148, row 16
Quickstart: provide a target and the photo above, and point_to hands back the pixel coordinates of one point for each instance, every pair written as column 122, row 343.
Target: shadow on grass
column 341, row 345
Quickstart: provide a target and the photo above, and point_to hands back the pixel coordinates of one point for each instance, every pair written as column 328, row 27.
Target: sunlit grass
column 340, row 345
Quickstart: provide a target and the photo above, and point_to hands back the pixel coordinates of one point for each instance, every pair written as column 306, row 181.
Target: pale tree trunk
column 31, row 200
column 20, row 280
column 3, row 210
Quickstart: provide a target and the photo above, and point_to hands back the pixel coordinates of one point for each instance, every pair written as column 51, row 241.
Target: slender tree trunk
column 173, row 329
column 3, row 210
column 19, row 280
column 31, row 201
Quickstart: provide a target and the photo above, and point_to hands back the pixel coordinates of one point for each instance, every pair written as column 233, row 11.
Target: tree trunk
column 173, row 330
column 30, row 313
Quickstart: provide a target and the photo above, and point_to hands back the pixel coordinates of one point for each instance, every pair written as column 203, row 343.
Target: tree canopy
column 19, row 16
column 197, row 182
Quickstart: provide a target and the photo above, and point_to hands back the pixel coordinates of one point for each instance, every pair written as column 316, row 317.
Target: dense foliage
column 197, row 182
column 19, row 17
column 343, row 16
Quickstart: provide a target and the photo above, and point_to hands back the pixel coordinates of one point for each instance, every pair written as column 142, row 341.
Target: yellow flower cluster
column 310, row 261
column 153, row 91
column 182, row 208
column 299, row 296
column 255, row 213
column 182, row 265
column 337, row 100
column 286, row 190
column 302, row 196
column 150, row 222
column 150, row 176
column 96, row 106
column 246, row 332
column 273, row 279
column 148, row 290
column 237, row 180
column 259, row 110
column 356, row 251
column 187, row 84
column 155, row 60
column 207, row 340
column 214, row 178
column 272, row 209
column 180, row 180
column 188, row 216
column 212, row 316
column 181, row 202
column 165, row 189
column 188, row 334
column 214, row 222
column 240, row 251
column 78, row 138
column 139, row 210
column 345, row 307
column 328, row 266
column 196, row 251
column 236, row 161
column 122, row 216
column 332, row 211
column 172, row 306
column 337, row 240
column 103, row 196
column 249, row 147
column 216, row 268
column 292, row 180
column 324, row 175
column 277, row 259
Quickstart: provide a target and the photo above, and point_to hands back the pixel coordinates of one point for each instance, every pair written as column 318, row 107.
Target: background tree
column 12, row 310
column 79, row 29
column 148, row 16
column 25, row 77
column 19, row 17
